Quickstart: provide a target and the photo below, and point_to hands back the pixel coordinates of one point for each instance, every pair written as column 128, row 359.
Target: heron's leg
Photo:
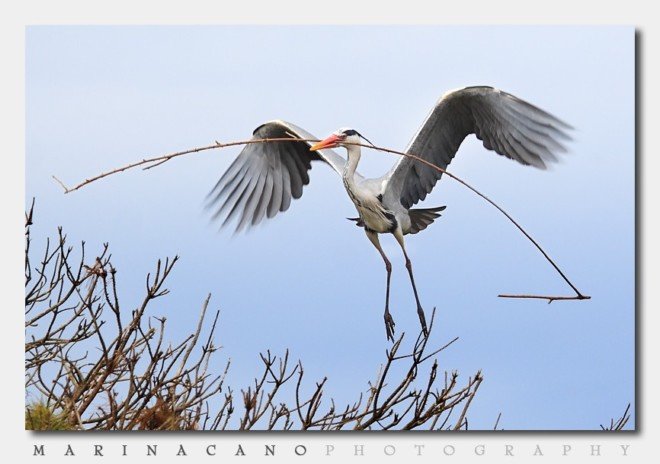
column 420, row 312
column 389, row 322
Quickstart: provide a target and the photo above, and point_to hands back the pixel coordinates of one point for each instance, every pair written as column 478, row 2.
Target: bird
column 264, row 178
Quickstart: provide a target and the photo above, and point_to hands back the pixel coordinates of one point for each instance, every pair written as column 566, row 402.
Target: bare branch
column 547, row 297
column 620, row 423
column 90, row 366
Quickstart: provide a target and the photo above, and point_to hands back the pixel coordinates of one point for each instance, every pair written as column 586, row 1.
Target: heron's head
column 341, row 138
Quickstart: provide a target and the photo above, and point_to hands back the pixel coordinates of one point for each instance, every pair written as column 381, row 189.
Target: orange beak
column 330, row 142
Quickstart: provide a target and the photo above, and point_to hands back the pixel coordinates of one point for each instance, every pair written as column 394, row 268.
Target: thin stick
column 158, row 160
column 547, row 297
column 497, row 422
column 150, row 163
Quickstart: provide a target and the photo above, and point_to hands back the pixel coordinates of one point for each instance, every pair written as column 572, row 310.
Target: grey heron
column 265, row 177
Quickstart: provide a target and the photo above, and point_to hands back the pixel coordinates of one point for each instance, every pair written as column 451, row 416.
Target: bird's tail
column 421, row 218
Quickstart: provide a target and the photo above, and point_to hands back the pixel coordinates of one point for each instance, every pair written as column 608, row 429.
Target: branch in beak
column 330, row 142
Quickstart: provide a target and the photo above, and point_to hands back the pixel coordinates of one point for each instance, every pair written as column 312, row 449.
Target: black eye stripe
column 349, row 132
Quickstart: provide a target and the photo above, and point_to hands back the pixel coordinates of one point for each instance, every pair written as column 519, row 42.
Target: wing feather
column 276, row 200
column 260, row 210
column 252, row 202
column 232, row 192
column 286, row 192
column 239, row 196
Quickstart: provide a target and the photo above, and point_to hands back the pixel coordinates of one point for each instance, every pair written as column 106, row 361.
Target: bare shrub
column 92, row 364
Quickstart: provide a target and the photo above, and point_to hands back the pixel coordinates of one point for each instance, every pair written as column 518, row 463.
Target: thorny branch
column 153, row 162
column 91, row 363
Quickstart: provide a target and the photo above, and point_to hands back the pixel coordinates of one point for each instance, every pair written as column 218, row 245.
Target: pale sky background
column 309, row 280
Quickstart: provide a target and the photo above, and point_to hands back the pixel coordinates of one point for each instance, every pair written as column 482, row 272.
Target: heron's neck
column 351, row 164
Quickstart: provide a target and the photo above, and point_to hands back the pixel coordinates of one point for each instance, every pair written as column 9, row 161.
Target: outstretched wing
column 506, row 124
column 264, row 177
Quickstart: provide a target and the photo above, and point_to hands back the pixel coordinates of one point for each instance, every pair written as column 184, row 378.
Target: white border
column 640, row 14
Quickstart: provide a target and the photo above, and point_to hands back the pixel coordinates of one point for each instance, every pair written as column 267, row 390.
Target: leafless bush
column 620, row 423
column 92, row 364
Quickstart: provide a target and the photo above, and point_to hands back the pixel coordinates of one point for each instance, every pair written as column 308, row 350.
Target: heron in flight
column 265, row 176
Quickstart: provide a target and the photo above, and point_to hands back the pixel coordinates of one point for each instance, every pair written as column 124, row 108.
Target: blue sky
column 308, row 280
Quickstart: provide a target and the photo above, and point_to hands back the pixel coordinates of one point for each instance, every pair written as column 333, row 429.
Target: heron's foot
column 389, row 325
column 422, row 320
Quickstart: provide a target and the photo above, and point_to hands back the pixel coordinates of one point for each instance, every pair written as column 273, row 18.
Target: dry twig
column 620, row 423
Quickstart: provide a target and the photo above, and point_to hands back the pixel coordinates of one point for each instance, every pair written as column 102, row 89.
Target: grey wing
column 505, row 123
column 264, row 177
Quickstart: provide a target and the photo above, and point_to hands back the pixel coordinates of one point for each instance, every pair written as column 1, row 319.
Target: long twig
column 158, row 160
column 153, row 162
column 549, row 298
